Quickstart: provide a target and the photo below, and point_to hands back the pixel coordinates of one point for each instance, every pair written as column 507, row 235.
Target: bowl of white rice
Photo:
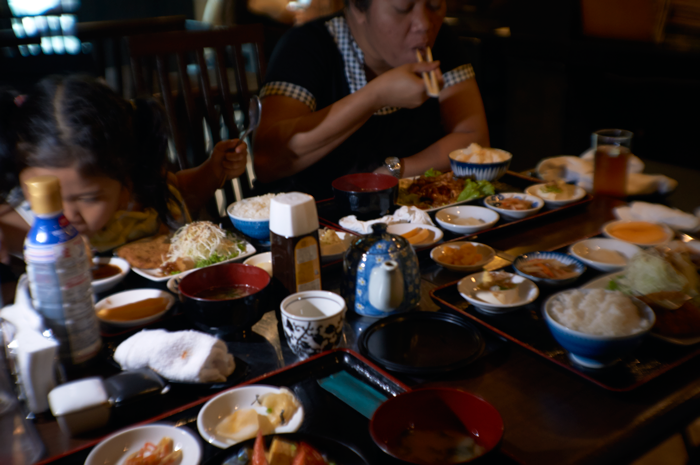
column 251, row 216
column 597, row 327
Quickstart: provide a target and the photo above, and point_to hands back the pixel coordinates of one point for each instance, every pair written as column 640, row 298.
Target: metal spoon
column 254, row 111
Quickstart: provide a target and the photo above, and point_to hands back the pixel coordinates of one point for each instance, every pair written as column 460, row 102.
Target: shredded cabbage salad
column 204, row 243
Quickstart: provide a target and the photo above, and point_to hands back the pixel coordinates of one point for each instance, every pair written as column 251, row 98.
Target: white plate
column 406, row 182
column 487, row 253
column 602, row 283
column 527, row 292
column 154, row 274
column 578, row 194
column 668, row 232
column 446, row 217
column 261, row 260
column 115, row 449
column 221, row 406
column 103, row 285
column 402, row 228
column 537, row 204
column 127, row 297
column 583, row 249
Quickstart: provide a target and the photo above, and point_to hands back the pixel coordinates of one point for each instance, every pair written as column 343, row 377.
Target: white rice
column 598, row 312
column 254, row 208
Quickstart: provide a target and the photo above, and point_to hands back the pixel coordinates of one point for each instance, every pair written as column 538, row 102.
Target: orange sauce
column 639, row 232
column 105, row 270
column 135, row 310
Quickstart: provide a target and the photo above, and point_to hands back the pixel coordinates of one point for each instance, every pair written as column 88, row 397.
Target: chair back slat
column 221, row 52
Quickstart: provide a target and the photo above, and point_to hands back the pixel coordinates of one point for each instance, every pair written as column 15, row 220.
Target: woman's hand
column 229, row 159
column 403, row 86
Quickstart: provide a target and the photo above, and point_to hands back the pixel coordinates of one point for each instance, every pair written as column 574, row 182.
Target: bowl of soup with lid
column 225, row 299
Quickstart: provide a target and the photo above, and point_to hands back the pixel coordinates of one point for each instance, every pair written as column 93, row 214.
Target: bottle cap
column 44, row 194
column 293, row 214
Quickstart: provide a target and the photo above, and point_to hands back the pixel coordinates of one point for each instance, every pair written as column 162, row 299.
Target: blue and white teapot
column 380, row 274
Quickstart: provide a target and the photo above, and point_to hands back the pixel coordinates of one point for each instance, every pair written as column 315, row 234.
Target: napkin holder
column 31, row 349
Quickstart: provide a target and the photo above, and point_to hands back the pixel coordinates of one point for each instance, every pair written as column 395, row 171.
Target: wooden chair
column 195, row 70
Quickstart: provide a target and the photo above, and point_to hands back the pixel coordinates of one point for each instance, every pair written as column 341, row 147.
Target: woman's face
column 397, row 28
column 88, row 202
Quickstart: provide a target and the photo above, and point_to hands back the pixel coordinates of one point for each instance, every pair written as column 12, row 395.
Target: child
column 109, row 155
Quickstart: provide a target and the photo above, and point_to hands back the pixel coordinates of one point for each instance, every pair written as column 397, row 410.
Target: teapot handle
column 386, row 286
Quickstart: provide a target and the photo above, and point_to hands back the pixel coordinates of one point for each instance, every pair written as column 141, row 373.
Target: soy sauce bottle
column 60, row 281
column 294, row 242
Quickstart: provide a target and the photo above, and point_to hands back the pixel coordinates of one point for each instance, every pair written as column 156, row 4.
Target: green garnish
column 431, row 173
column 551, row 188
column 612, row 286
column 215, row 258
column 475, row 189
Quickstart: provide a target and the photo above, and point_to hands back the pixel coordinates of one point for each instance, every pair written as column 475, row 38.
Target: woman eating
column 343, row 93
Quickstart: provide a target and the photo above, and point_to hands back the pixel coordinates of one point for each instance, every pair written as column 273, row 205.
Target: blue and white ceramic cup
column 313, row 321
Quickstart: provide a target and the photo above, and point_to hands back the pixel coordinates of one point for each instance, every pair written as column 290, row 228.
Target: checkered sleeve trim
column 287, row 89
column 457, row 75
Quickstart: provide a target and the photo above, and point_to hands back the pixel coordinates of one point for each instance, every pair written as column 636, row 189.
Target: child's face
column 88, row 202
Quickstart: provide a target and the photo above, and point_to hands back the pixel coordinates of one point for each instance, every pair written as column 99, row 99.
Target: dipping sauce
column 432, row 447
column 135, row 310
column 234, row 291
column 613, row 257
column 638, row 232
column 104, row 271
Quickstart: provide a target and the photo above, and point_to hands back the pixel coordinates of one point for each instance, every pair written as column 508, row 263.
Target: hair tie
column 19, row 100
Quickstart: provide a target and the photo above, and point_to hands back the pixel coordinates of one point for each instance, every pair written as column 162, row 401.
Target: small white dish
column 155, row 274
column 128, row 297
column 494, row 202
column 487, row 254
column 555, row 200
column 221, row 406
column 336, row 251
column 115, row 449
column 103, row 285
column 261, row 260
column 603, row 254
column 526, row 292
column 659, row 233
column 451, row 217
column 402, row 228
column 576, row 266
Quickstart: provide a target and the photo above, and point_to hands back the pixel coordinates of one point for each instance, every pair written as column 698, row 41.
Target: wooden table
column 551, row 416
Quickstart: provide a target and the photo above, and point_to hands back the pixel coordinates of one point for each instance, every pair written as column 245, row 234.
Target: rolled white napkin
column 189, row 356
column 402, row 215
column 579, row 170
column 644, row 211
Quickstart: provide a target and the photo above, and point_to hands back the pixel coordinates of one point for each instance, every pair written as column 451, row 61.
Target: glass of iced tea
column 612, row 149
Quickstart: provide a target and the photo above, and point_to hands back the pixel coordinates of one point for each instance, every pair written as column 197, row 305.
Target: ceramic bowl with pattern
column 480, row 171
column 504, row 204
column 549, row 268
column 312, row 321
column 257, row 229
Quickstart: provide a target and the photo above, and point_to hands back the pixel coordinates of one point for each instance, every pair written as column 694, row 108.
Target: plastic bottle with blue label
column 60, row 280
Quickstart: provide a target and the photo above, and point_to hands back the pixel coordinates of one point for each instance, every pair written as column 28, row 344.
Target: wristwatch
column 395, row 166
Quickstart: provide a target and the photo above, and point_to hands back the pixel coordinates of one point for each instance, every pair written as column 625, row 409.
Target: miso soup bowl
column 435, row 409
column 230, row 316
column 366, row 195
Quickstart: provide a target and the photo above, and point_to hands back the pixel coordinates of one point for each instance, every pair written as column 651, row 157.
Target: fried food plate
column 405, row 183
column 155, row 274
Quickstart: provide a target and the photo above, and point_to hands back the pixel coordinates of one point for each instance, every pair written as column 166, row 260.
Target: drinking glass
column 612, row 149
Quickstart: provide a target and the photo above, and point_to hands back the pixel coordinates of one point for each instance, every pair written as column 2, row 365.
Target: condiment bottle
column 58, row 268
column 294, row 242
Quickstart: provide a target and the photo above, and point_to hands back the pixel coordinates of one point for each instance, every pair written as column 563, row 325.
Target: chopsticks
column 430, row 79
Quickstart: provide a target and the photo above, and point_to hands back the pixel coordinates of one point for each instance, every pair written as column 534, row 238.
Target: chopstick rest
column 430, row 79
column 353, row 392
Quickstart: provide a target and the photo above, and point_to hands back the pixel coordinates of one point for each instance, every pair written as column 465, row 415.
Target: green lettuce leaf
column 475, row 189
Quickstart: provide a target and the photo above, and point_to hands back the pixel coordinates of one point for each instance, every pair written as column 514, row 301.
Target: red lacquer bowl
column 435, row 409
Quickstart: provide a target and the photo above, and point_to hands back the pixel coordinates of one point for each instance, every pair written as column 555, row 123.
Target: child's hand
column 229, row 159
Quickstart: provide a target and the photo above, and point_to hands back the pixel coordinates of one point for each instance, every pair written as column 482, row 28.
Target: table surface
column 551, row 416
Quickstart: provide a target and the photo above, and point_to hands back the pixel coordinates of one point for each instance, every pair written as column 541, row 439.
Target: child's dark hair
column 77, row 121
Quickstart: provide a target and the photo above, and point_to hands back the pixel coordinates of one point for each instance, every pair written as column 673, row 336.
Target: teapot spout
column 386, row 286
